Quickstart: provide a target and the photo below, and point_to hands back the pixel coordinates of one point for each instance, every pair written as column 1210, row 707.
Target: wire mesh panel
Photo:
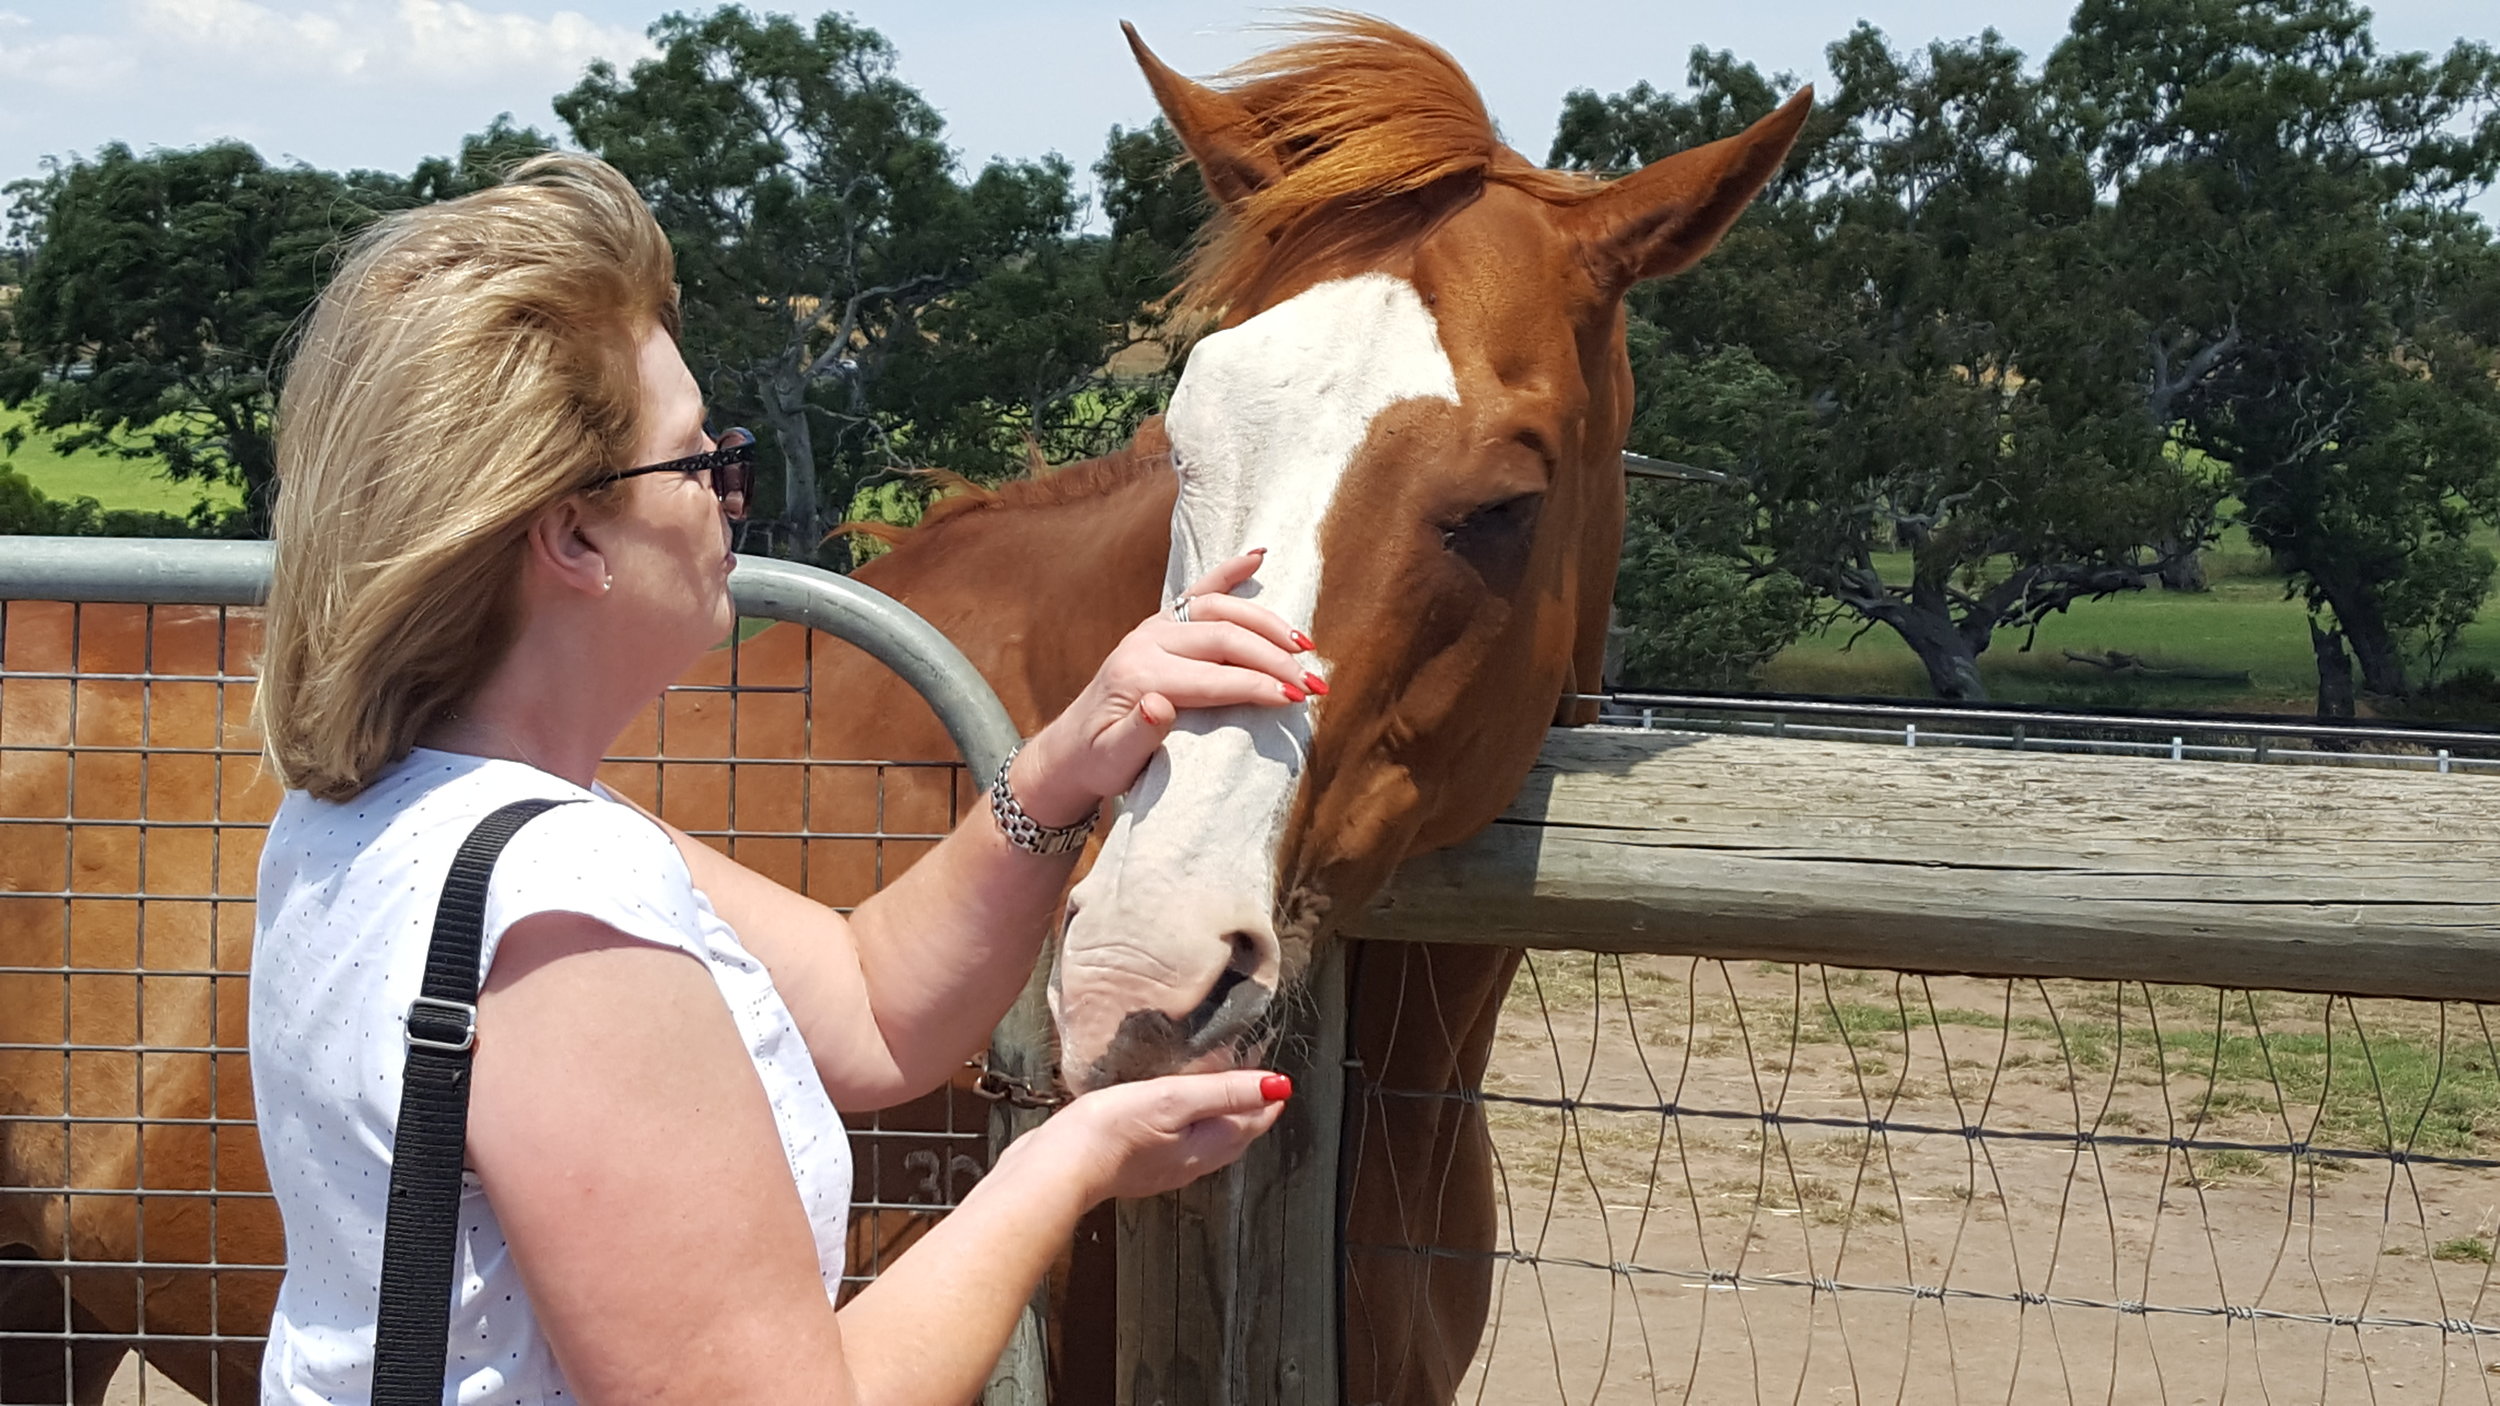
column 728, row 756
column 131, row 815
column 1747, row 1182
column 139, row 1248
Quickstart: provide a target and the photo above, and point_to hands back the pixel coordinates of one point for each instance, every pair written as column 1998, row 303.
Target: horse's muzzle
column 1230, row 1028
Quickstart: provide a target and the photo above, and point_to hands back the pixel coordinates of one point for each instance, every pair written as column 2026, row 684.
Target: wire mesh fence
column 1722, row 1181
column 139, row 1247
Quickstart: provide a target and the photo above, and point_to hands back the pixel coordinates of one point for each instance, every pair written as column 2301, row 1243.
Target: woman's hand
column 1159, row 1135
column 1228, row 652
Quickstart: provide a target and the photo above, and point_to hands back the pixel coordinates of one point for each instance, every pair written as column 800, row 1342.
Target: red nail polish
column 1258, row 551
column 1276, row 1088
column 1292, row 694
column 1316, row 684
column 1304, row 642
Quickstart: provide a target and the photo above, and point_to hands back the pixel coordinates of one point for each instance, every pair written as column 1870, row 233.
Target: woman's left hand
column 1228, row 652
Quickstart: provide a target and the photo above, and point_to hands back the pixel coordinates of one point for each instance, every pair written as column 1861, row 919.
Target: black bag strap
column 421, row 1236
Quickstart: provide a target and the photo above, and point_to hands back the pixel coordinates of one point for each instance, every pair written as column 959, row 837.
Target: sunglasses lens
column 735, row 480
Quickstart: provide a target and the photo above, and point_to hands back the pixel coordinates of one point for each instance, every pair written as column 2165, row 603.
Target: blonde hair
column 473, row 363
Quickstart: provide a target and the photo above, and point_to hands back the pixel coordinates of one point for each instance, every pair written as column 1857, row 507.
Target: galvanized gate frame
column 186, row 572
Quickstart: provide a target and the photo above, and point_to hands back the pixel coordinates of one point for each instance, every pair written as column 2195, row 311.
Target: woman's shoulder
column 415, row 816
column 595, row 839
column 601, row 858
column 423, row 790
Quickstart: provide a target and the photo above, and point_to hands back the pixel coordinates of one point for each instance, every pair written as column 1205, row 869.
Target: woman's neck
column 544, row 709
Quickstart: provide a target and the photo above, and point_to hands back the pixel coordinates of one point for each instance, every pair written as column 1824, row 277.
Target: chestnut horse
column 1416, row 398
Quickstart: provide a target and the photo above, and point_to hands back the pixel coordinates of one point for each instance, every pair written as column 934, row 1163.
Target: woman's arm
column 892, row 1001
column 622, row 1136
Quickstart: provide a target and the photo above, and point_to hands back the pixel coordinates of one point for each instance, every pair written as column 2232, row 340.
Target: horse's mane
column 1360, row 115
column 1148, row 451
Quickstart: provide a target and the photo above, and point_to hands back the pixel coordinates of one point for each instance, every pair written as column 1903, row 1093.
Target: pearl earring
column 607, row 584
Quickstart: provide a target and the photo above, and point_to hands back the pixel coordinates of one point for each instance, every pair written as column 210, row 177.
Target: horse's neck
column 1037, row 594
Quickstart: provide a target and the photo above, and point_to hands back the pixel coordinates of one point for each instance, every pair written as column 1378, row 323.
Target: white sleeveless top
column 347, row 897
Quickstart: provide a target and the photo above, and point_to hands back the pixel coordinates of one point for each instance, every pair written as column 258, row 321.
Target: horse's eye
column 1512, row 515
column 1495, row 538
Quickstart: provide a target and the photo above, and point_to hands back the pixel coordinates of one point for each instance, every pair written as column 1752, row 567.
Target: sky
column 384, row 83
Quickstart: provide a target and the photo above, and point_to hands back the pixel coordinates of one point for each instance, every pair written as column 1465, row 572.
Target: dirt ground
column 1672, row 1200
column 2125, row 1218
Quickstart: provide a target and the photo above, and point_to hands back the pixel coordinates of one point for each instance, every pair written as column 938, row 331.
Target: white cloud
column 337, row 83
column 452, row 37
column 361, row 41
column 77, row 64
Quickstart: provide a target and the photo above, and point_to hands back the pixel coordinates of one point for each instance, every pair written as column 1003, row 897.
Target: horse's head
column 1417, row 402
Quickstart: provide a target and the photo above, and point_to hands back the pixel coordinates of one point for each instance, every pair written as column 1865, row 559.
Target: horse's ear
column 1219, row 132
column 1662, row 218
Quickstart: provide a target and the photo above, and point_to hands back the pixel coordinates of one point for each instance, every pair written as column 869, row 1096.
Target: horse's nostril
column 1236, row 1013
column 1197, row 1019
column 1235, row 1003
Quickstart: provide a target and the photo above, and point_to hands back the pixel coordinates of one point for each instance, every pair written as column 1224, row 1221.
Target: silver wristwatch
column 1022, row 830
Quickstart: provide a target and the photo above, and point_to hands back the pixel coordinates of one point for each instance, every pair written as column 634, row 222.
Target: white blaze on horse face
column 1265, row 423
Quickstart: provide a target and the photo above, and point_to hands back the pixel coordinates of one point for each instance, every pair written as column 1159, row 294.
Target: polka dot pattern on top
column 347, row 896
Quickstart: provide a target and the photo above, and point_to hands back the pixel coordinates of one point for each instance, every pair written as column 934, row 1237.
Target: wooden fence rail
column 2364, row 883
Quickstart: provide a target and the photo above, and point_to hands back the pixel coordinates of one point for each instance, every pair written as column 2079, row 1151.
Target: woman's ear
column 563, row 552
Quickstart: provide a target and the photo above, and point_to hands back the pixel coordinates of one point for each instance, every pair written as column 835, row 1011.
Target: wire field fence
column 139, row 1247
column 2285, row 740
column 1724, row 1181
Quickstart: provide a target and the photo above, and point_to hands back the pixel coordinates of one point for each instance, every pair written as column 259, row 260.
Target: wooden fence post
column 1229, row 1289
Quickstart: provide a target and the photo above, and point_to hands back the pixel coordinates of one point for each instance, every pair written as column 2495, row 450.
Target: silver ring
column 1180, row 609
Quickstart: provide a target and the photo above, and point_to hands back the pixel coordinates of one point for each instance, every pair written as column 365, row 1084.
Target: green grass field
column 2239, row 624
column 2243, row 623
column 111, row 480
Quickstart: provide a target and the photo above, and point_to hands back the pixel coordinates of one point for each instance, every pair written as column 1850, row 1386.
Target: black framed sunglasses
column 729, row 467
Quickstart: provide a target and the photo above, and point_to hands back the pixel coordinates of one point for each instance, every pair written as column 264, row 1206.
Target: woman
column 501, row 533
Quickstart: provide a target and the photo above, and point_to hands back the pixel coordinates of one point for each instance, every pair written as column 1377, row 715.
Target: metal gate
column 139, row 1246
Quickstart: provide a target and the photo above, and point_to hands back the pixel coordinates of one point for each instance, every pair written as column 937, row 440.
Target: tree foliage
column 484, row 159
column 2033, row 331
column 1699, row 604
column 870, row 307
column 1156, row 205
column 158, row 291
column 1902, row 314
column 2317, row 309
